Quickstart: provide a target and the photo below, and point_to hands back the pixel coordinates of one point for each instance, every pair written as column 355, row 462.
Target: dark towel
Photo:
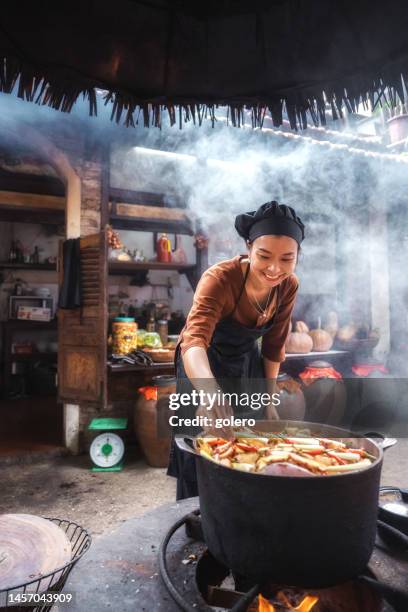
column 71, row 294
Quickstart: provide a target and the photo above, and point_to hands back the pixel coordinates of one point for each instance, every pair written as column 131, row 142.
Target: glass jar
column 163, row 331
column 124, row 335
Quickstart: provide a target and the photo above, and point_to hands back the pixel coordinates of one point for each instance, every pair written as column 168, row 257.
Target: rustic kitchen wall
column 29, row 235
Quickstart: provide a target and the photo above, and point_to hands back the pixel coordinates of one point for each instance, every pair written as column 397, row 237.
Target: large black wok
column 312, row 531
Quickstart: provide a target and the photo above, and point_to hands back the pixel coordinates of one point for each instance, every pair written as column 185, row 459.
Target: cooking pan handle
column 383, row 442
column 183, row 446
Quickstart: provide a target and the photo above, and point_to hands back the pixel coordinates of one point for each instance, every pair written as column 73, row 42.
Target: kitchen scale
column 107, row 449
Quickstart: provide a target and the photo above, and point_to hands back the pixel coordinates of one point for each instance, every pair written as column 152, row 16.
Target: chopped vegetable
column 215, row 441
column 314, row 455
column 348, row 467
column 245, row 448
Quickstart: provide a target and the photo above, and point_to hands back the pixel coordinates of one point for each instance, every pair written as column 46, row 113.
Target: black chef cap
column 270, row 218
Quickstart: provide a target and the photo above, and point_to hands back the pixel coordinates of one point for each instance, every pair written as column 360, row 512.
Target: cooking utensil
column 313, row 531
column 393, row 507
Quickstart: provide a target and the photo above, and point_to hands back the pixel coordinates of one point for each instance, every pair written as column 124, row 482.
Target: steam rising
column 351, row 200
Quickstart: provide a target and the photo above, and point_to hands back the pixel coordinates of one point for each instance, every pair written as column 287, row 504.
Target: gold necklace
column 259, row 307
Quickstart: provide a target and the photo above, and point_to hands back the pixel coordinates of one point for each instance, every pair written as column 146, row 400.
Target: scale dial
column 107, row 450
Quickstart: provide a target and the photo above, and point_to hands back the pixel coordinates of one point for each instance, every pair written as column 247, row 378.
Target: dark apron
column 233, row 353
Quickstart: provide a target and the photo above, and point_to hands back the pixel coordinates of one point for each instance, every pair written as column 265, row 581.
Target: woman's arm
column 271, row 374
column 207, row 309
column 196, row 363
column 198, row 370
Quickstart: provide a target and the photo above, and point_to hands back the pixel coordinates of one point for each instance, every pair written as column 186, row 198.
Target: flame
column 264, row 605
column 305, row 605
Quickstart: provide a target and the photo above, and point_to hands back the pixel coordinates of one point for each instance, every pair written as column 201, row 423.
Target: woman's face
column 273, row 258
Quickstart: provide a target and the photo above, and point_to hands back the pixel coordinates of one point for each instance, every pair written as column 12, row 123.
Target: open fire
column 282, row 602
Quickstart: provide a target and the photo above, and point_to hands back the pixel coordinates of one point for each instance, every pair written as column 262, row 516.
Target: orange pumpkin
column 347, row 332
column 332, row 324
column 301, row 327
column 322, row 340
column 298, row 342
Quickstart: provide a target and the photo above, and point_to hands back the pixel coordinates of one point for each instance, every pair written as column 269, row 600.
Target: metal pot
column 309, row 532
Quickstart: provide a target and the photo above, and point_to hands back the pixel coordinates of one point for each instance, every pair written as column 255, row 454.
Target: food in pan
column 281, row 454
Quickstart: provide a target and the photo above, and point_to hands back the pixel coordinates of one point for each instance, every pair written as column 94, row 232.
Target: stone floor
column 64, row 487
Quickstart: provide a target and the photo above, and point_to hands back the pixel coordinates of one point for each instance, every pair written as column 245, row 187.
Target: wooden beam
column 31, row 200
column 151, row 225
column 31, row 183
column 143, row 197
column 105, row 178
column 23, row 215
column 142, row 211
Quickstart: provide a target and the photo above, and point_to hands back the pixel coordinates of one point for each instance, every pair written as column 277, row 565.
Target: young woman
column 237, row 302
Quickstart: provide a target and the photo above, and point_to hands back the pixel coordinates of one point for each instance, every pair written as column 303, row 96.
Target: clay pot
column 292, row 402
column 151, row 420
column 324, row 393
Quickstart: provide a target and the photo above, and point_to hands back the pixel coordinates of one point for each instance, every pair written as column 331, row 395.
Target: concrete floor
column 64, row 487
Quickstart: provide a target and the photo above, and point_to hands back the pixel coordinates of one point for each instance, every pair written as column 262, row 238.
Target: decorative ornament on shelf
column 201, row 242
column 163, row 249
column 114, row 242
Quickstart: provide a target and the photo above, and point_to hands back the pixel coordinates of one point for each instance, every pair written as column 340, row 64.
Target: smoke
column 353, row 204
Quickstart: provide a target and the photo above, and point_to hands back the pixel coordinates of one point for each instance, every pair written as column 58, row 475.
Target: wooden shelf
column 139, row 224
column 156, row 367
column 129, row 267
column 27, row 266
column 13, row 324
column 34, row 357
column 315, row 355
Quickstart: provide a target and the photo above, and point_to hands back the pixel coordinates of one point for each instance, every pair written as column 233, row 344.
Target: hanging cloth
column 70, row 296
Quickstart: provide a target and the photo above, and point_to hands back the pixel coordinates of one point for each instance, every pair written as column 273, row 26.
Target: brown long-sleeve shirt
column 215, row 297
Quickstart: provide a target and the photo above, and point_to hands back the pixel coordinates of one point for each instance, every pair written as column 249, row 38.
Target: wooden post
column 105, row 181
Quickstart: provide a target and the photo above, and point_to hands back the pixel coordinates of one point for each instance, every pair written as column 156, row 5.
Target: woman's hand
column 271, row 413
column 218, row 411
column 271, row 373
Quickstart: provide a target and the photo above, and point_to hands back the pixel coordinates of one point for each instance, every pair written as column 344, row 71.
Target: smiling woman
column 238, row 302
column 272, row 259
